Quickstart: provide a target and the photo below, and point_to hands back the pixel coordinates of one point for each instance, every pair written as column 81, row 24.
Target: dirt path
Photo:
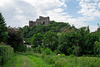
column 24, row 65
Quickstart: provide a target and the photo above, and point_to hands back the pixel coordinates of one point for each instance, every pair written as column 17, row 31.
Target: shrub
column 43, row 56
column 6, row 53
column 49, row 59
column 57, row 52
column 42, row 49
column 38, row 49
column 29, row 49
column 72, row 55
column 23, row 48
column 62, row 55
column 47, row 51
column 58, row 64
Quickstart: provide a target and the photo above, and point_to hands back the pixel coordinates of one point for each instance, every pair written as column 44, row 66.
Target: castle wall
column 31, row 23
column 41, row 20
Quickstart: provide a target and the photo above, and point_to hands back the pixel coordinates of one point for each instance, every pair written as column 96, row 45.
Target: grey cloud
column 9, row 13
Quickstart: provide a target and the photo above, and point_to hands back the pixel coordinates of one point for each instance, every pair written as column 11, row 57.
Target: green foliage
column 76, row 50
column 57, row 51
column 22, row 48
column 72, row 55
column 39, row 62
column 29, row 49
column 49, row 59
column 54, row 26
column 58, row 63
column 97, row 47
column 50, row 40
column 62, row 55
column 6, row 53
column 38, row 49
column 0, row 58
column 62, row 43
column 47, row 51
column 15, row 38
column 82, row 39
column 36, row 40
column 3, row 29
column 62, row 38
column 97, row 43
column 70, row 61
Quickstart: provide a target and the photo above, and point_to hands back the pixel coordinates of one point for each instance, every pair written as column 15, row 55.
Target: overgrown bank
column 6, row 53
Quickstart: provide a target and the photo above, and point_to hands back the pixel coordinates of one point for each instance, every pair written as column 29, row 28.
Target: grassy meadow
column 41, row 60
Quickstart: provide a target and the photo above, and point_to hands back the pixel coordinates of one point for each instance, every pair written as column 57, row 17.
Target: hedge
column 6, row 53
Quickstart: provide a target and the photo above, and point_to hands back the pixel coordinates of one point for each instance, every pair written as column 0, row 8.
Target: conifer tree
column 3, row 29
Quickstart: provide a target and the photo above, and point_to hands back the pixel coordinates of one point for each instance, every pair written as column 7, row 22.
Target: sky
column 79, row 13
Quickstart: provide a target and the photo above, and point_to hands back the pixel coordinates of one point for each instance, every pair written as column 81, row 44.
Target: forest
column 63, row 38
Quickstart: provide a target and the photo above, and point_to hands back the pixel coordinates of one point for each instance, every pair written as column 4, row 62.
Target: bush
column 21, row 48
column 57, row 52
column 6, row 53
column 38, row 49
column 49, row 59
column 58, row 63
column 62, row 55
column 29, row 49
column 47, row 51
column 72, row 55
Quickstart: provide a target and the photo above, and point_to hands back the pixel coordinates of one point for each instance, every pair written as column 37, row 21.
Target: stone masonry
column 41, row 20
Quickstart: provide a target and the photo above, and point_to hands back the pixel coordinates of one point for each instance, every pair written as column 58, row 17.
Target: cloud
column 22, row 11
column 5, row 2
column 99, row 5
column 19, row 12
column 96, row 0
column 89, row 9
column 93, row 28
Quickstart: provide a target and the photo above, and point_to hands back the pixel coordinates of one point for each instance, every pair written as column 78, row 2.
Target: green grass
column 11, row 62
column 29, row 62
column 16, row 61
column 41, row 60
column 19, row 62
column 68, row 61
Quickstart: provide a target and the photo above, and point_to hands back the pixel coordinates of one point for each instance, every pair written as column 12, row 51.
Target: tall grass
column 68, row 61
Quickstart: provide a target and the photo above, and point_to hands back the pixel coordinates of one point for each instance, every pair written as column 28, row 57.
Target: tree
column 50, row 40
column 62, row 43
column 36, row 40
column 3, row 29
column 97, row 47
column 15, row 39
column 97, row 43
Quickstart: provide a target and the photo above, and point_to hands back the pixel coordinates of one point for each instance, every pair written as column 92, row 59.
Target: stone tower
column 41, row 20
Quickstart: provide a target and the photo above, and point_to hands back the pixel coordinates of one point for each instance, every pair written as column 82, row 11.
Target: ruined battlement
column 41, row 20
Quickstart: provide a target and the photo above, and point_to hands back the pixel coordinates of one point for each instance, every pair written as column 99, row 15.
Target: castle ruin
column 41, row 20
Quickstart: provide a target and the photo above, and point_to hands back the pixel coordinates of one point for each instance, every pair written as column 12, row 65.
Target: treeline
column 11, row 36
column 11, row 40
column 6, row 52
column 62, row 38
column 53, row 26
